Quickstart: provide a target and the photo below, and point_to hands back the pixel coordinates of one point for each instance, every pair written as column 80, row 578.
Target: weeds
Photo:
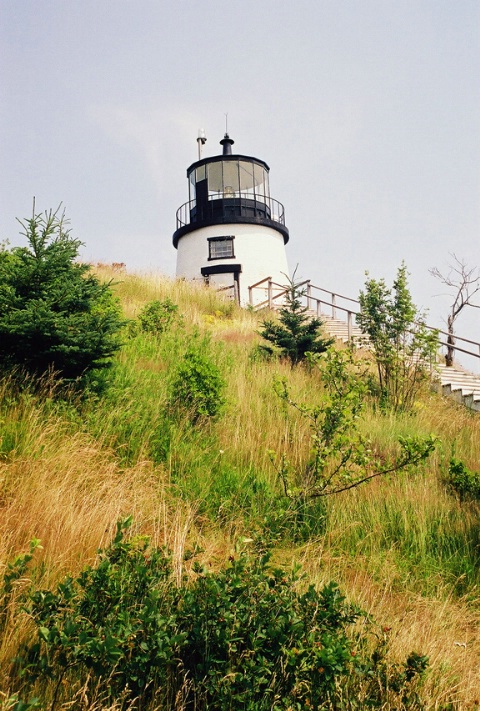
column 403, row 547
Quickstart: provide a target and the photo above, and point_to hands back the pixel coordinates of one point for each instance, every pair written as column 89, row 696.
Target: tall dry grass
column 196, row 301
column 397, row 546
column 68, row 488
column 443, row 628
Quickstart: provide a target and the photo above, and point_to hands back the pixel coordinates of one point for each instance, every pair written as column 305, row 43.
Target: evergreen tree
column 296, row 332
column 54, row 314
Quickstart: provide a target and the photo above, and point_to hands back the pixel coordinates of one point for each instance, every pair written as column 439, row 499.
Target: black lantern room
column 229, row 188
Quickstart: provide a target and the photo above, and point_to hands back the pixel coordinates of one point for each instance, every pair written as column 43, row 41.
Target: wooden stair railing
column 454, row 380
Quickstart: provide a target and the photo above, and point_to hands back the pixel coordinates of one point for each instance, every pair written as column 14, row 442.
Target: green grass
column 69, row 468
column 431, row 539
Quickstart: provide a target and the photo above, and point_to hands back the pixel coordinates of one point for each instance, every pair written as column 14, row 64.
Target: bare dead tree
column 465, row 283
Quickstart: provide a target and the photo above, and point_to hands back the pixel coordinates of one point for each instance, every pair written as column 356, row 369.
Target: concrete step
column 464, row 387
column 463, row 397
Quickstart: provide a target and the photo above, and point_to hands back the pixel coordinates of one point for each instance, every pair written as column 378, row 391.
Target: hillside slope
column 404, row 548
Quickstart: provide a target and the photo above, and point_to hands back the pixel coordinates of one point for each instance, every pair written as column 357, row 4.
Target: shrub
column 54, row 314
column 157, row 316
column 463, row 481
column 112, row 623
column 198, row 384
column 244, row 637
column 254, row 642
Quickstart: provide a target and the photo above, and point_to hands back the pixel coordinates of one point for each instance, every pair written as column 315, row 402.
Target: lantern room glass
column 231, row 179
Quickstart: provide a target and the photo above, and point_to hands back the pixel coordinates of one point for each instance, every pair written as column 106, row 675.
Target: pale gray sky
column 367, row 111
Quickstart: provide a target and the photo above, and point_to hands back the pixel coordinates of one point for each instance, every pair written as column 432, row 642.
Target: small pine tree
column 296, row 332
column 54, row 314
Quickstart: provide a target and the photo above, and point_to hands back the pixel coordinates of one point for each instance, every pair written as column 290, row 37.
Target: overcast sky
column 367, row 112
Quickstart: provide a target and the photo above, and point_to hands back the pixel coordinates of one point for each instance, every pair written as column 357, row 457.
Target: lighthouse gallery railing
column 241, row 204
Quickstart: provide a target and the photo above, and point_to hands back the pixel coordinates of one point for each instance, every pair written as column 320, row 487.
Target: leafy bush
column 402, row 345
column 157, row 316
column 54, row 314
column 112, row 622
column 241, row 638
column 254, row 642
column 463, row 481
column 198, row 384
column 341, row 457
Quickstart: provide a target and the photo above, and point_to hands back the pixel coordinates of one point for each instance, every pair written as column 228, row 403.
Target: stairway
column 451, row 381
column 464, row 387
column 339, row 329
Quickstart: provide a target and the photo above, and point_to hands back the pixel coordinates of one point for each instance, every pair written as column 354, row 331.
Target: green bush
column 157, row 316
column 54, row 314
column 112, row 623
column 255, row 643
column 198, row 383
column 463, row 481
column 244, row 637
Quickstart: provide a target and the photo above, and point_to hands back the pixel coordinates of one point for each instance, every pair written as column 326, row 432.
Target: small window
column 220, row 248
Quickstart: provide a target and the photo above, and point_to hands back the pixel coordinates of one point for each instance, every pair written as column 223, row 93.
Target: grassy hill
column 404, row 548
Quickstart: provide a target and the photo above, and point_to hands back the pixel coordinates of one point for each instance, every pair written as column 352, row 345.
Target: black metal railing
column 224, row 206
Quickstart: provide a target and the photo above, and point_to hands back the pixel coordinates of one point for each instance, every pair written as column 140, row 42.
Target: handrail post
column 250, row 295
column 334, row 303
column 270, row 300
column 318, row 308
column 349, row 321
column 309, row 294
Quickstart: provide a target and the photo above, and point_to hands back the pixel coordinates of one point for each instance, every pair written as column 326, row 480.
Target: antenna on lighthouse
column 201, row 140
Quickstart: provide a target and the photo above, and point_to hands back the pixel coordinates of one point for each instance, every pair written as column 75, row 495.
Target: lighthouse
column 231, row 234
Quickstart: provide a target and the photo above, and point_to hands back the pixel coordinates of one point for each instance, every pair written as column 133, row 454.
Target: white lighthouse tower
column 231, row 233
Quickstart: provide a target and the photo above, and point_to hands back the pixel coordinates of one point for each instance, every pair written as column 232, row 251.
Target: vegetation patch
column 199, row 482
column 245, row 637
